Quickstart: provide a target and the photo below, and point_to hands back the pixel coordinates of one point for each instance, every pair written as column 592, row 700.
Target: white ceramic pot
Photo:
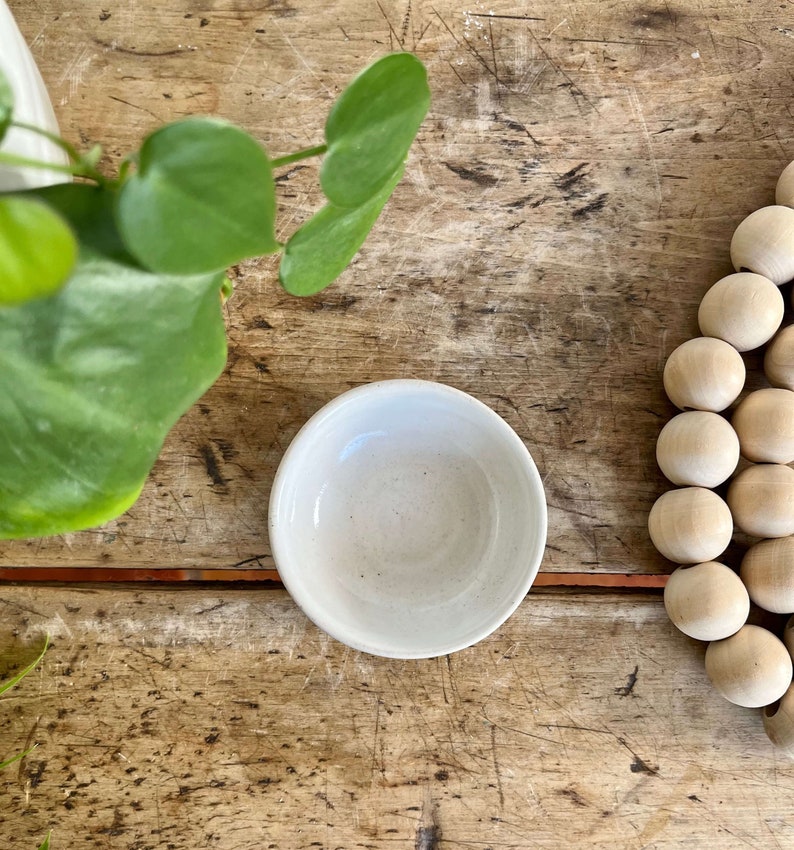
column 31, row 105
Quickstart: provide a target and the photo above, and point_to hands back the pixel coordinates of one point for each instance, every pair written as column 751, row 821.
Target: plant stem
column 299, row 155
column 26, row 162
column 77, row 170
column 4, row 686
column 55, row 139
column 17, row 757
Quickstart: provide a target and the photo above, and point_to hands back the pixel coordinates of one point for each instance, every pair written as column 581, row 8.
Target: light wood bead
column 784, row 191
column 761, row 499
column 767, row 571
column 697, row 448
column 690, row 525
column 744, row 309
column 704, row 374
column 779, row 723
column 764, row 423
column 706, row 601
column 764, row 243
column 751, row 668
column 779, row 359
column 788, row 636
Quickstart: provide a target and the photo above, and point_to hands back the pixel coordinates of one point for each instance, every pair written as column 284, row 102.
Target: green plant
column 5, row 686
column 110, row 287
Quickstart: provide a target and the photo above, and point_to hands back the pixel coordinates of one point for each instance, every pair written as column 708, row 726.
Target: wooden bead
column 764, row 423
column 779, row 359
column 764, row 243
column 788, row 636
column 779, row 723
column 690, row 525
column 761, row 499
column 704, row 374
column 744, row 309
column 751, row 668
column 784, row 191
column 697, row 448
column 706, row 601
column 767, row 571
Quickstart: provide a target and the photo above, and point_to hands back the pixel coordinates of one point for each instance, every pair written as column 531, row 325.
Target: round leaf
column 321, row 249
column 203, row 198
column 6, row 104
column 91, row 381
column 371, row 127
column 89, row 211
column 37, row 249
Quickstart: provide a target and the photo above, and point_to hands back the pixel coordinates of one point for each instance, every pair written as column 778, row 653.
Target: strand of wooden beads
column 700, row 449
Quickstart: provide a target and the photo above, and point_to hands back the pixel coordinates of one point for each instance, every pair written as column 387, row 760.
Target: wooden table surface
column 570, row 198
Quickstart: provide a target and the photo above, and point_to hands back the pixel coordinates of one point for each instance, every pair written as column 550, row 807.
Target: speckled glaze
column 407, row 519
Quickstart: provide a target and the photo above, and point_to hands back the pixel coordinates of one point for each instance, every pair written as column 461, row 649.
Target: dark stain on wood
column 339, row 305
column 640, row 766
column 631, row 681
column 475, row 175
column 657, row 18
column 282, row 178
column 428, row 837
column 594, row 206
column 574, row 796
column 211, row 465
column 260, row 323
column 133, row 50
column 227, row 450
column 572, row 182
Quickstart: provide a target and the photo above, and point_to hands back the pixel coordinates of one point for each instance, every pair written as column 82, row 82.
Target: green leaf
column 371, row 127
column 202, row 199
column 321, row 249
column 91, row 381
column 6, row 104
column 45, row 845
column 89, row 210
column 37, row 249
column 5, row 686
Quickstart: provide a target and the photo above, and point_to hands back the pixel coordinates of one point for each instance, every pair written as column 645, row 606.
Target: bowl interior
column 407, row 519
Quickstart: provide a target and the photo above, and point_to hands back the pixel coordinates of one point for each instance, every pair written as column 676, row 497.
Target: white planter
column 31, row 105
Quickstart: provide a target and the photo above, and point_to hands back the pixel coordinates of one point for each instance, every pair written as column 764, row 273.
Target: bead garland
column 699, row 450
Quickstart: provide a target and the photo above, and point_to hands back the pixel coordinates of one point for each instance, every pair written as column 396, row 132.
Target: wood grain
column 184, row 718
column 571, row 196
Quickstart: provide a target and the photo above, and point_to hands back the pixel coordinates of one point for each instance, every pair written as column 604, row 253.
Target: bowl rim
column 323, row 618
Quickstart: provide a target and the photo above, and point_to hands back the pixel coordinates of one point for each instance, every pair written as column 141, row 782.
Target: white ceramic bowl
column 407, row 519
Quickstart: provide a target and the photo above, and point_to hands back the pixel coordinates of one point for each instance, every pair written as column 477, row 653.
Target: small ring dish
column 407, row 519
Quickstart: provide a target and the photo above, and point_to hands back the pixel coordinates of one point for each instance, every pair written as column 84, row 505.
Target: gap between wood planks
column 93, row 575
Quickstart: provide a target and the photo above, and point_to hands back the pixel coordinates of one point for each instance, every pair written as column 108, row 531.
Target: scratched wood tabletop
column 570, row 198
column 221, row 719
